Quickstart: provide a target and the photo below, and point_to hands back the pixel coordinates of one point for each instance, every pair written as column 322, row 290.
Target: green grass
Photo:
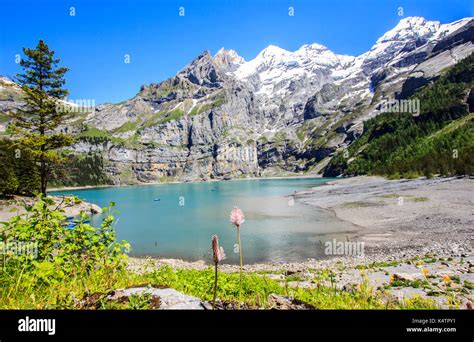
column 420, row 199
column 469, row 285
column 218, row 103
column 279, row 138
column 154, row 119
column 294, row 277
column 163, row 116
column 128, row 126
column 4, row 118
column 419, row 283
column 66, row 294
column 378, row 264
column 300, row 134
column 166, row 179
column 173, row 115
column 194, row 111
column 409, row 197
column 92, row 132
column 165, row 90
column 429, row 259
column 206, row 107
column 390, row 196
column 316, row 142
column 360, row 204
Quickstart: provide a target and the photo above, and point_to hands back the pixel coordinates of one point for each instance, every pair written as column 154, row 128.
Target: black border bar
column 329, row 323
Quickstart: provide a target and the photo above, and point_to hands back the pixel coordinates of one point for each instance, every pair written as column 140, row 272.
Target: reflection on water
column 178, row 220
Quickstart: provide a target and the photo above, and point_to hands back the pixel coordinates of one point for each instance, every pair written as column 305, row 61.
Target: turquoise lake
column 178, row 220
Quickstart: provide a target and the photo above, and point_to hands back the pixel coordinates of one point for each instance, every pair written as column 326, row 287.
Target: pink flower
column 237, row 217
column 217, row 252
column 221, row 254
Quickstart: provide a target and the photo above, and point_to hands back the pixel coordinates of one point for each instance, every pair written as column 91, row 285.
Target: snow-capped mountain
column 275, row 66
column 282, row 111
column 274, row 72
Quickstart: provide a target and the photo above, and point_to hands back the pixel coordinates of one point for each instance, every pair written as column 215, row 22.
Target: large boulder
column 169, row 299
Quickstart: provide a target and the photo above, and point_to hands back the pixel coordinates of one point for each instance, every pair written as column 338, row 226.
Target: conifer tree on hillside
column 36, row 124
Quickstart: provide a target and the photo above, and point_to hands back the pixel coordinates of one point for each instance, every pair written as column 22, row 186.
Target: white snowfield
column 274, row 67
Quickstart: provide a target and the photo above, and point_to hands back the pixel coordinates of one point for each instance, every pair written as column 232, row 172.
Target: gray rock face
column 169, row 299
column 313, row 105
column 430, row 68
column 282, row 112
column 10, row 101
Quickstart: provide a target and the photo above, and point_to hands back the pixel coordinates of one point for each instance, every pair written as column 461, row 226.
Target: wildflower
column 237, row 218
column 392, row 278
column 217, row 252
column 218, row 255
column 425, row 272
column 446, row 279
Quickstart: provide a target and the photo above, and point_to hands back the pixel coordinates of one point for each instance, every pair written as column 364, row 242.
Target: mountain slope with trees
column 438, row 141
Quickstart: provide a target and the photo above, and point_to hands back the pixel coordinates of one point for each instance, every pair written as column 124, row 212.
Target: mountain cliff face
column 281, row 112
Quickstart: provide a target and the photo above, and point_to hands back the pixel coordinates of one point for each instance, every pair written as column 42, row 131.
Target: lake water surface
column 178, row 220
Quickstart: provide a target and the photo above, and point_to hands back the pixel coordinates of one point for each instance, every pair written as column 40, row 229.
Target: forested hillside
column 438, row 141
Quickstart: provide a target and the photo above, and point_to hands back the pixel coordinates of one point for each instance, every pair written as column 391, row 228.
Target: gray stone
column 170, row 299
column 407, row 276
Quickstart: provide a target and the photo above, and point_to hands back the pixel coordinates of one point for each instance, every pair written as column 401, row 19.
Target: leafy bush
column 60, row 252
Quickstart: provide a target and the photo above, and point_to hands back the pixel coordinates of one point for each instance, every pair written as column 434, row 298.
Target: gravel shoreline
column 402, row 216
column 463, row 250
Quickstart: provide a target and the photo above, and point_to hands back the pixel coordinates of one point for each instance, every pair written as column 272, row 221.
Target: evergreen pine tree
column 37, row 123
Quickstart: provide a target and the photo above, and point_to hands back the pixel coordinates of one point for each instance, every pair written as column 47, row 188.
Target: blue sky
column 93, row 43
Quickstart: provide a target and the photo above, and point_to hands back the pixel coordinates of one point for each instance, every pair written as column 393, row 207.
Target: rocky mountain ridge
column 280, row 113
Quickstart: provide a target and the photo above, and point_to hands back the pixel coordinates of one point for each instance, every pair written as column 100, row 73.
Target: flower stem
column 215, row 288
column 240, row 254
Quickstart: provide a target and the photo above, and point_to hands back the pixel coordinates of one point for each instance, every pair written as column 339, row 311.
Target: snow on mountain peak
column 447, row 29
column 229, row 59
column 275, row 69
column 307, row 57
column 408, row 31
column 410, row 28
column 269, row 56
column 271, row 51
column 232, row 54
column 311, row 48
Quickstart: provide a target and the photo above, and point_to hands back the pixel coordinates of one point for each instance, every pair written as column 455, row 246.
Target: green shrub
column 60, row 253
